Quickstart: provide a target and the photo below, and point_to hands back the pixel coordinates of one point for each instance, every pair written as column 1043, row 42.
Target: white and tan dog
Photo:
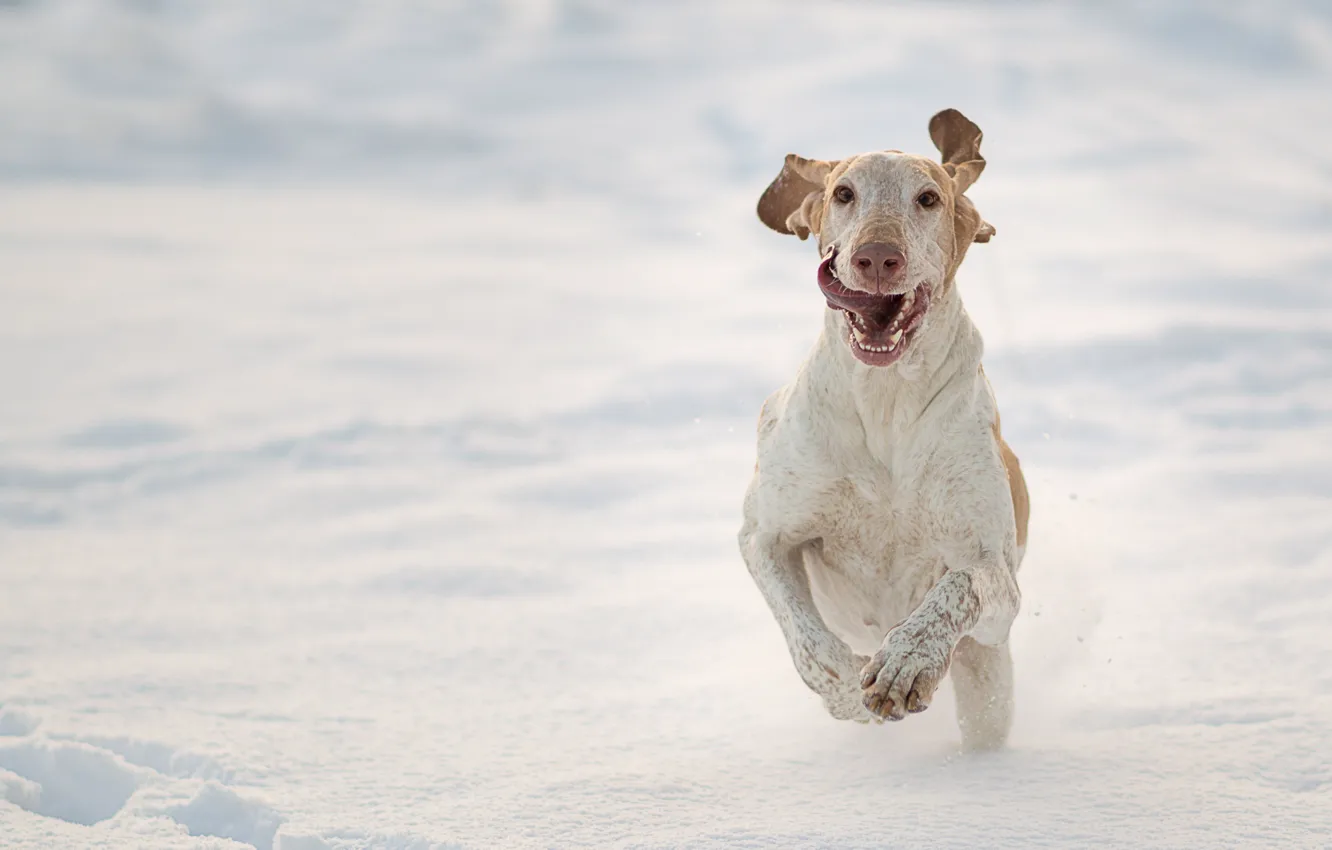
column 887, row 516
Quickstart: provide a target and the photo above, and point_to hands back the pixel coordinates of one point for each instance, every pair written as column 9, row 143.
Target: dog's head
column 892, row 230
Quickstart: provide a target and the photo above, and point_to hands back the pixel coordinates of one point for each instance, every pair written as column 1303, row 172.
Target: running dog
column 887, row 517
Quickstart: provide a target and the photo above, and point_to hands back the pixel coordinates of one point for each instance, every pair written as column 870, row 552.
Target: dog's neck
column 890, row 399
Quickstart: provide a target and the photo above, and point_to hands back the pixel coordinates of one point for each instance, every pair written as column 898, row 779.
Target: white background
column 377, row 388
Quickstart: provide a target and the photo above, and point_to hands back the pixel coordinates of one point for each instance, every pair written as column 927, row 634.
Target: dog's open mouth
column 879, row 327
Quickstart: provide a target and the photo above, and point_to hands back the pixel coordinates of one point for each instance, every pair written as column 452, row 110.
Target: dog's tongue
column 837, row 295
column 827, row 280
column 876, row 311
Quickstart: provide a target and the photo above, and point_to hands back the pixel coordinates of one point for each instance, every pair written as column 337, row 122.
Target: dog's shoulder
column 963, row 422
column 798, row 471
column 970, row 475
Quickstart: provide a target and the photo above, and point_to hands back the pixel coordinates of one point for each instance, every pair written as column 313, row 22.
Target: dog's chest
column 873, row 562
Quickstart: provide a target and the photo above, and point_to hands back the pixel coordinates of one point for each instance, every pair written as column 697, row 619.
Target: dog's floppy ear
column 958, row 141
column 984, row 232
column 793, row 202
column 968, row 227
column 968, row 224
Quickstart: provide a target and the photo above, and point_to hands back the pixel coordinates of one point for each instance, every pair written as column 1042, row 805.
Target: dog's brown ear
column 968, row 224
column 958, row 141
column 793, row 201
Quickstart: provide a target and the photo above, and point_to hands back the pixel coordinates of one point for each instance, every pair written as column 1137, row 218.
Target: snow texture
column 379, row 383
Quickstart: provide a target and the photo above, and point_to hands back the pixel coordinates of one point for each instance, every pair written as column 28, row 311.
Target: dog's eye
column 928, row 198
column 843, row 195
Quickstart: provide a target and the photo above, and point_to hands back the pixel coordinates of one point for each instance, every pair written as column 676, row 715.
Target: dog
column 887, row 517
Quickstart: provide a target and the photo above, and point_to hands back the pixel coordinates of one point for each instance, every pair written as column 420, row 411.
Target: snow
column 378, row 392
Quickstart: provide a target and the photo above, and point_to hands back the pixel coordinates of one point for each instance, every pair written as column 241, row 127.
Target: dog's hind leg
column 983, row 683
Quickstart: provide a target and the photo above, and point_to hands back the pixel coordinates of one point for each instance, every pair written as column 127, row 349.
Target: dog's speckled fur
column 887, row 518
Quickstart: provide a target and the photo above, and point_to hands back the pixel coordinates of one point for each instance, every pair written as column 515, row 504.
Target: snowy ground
column 377, row 391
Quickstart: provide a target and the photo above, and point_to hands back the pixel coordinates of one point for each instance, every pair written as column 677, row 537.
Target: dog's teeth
column 895, row 338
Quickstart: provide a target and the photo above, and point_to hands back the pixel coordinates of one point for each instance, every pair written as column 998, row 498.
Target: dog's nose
column 878, row 263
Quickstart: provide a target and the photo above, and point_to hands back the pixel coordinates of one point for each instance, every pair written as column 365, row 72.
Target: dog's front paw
column 837, row 685
column 904, row 674
column 849, row 706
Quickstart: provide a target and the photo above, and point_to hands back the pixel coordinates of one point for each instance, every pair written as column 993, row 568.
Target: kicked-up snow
column 377, row 393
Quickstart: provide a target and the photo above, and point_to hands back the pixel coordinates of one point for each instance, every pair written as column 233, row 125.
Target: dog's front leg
column 977, row 601
column 824, row 661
